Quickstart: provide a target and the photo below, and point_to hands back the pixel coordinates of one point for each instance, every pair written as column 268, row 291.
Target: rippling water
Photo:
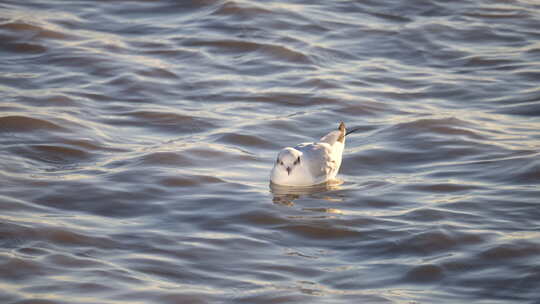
column 137, row 139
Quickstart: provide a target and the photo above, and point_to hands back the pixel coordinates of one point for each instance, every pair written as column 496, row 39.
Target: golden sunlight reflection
column 325, row 210
column 521, row 235
column 214, row 235
column 289, row 6
column 285, row 195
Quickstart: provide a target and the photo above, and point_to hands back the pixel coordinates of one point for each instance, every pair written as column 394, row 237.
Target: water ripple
column 137, row 139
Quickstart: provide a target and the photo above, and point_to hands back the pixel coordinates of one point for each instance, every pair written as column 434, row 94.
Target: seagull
column 309, row 164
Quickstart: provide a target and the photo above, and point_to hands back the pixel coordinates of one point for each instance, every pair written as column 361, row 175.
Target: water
column 137, row 139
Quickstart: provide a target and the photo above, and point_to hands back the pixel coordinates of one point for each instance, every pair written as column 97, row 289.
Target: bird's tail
column 342, row 131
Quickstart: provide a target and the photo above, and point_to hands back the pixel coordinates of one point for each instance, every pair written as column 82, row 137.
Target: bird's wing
column 334, row 136
column 318, row 159
column 331, row 137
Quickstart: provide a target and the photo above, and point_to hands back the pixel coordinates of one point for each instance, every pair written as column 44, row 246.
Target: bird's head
column 288, row 159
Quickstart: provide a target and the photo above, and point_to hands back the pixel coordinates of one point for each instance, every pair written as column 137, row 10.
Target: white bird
column 310, row 164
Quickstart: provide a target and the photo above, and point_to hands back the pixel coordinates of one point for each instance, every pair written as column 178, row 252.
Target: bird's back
column 319, row 160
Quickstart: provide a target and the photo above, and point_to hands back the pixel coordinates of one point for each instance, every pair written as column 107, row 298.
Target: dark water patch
column 54, row 154
column 532, row 52
column 19, row 269
column 23, row 47
column 498, row 13
column 486, row 35
column 320, row 230
column 444, row 188
column 374, row 160
column 521, row 169
column 33, row 252
column 76, row 60
column 176, row 54
column 14, row 204
column 37, row 301
column 231, row 45
column 479, row 61
column 511, row 251
column 206, row 155
column 318, row 83
column 189, row 181
column 163, row 159
column 364, row 108
column 528, row 173
column 119, row 276
column 16, row 123
column 263, row 218
column 187, row 297
column 163, row 121
column 443, row 127
column 116, row 201
column 241, row 10
column 436, row 215
column 91, row 145
column 531, row 109
column 67, row 261
column 34, row 31
column 58, row 235
column 165, row 270
column 530, row 75
column 158, row 73
column 291, row 99
column 80, row 287
column 426, row 244
column 244, row 140
column 274, row 51
column 13, row 235
column 430, row 274
column 52, row 101
column 513, row 286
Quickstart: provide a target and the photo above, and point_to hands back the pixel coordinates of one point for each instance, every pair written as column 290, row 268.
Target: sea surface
column 137, row 138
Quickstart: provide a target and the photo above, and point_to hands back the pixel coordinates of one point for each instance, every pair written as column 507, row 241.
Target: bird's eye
column 298, row 160
column 281, row 163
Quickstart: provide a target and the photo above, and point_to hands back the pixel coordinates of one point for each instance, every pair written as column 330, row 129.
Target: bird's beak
column 288, row 170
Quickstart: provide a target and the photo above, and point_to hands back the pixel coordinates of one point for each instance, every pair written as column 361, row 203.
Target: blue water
column 137, row 139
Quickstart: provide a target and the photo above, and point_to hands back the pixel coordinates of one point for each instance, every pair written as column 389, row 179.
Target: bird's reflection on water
column 286, row 195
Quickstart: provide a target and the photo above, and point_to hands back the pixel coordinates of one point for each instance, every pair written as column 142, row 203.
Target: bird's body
column 310, row 164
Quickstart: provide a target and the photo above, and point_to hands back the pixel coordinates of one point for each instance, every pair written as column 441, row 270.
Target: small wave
column 276, row 52
column 39, row 30
column 429, row 243
column 449, row 126
column 189, row 181
column 444, row 188
column 511, row 251
column 429, row 273
column 165, row 159
column 244, row 140
column 234, row 9
column 17, row 123
column 168, row 122
column 525, row 108
column 158, row 73
column 24, row 48
column 56, row 154
column 320, row 231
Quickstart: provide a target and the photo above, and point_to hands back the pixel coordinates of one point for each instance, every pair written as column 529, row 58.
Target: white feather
column 319, row 162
